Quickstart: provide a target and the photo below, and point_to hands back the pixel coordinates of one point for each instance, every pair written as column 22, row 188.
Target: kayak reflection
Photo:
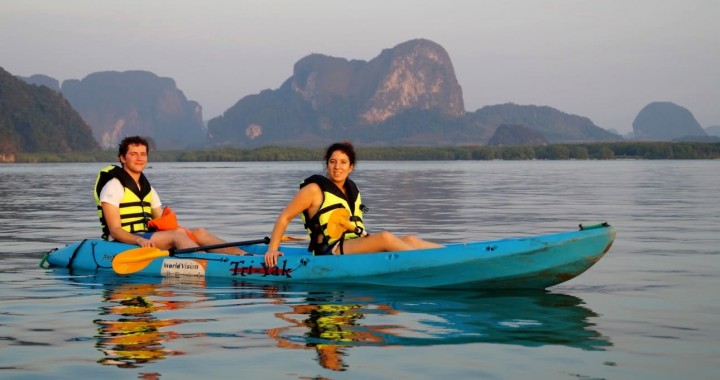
column 136, row 321
column 333, row 322
column 129, row 333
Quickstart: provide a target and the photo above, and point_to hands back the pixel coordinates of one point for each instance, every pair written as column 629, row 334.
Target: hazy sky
column 604, row 59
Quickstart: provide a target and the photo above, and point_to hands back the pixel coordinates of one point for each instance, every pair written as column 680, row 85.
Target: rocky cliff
column 416, row 74
column 407, row 95
column 37, row 119
column 553, row 125
column 42, row 80
column 665, row 121
column 119, row 104
column 328, row 98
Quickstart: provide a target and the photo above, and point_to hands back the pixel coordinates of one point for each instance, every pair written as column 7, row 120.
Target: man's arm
column 110, row 197
column 156, row 204
column 112, row 218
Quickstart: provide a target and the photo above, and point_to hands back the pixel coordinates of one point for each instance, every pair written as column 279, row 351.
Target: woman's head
column 340, row 162
column 345, row 147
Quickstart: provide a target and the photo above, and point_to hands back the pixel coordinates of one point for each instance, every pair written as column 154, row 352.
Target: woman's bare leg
column 385, row 242
column 418, row 243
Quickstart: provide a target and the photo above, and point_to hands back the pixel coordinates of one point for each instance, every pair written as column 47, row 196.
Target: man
column 126, row 202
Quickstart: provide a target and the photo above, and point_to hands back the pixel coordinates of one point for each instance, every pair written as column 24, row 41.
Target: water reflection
column 129, row 333
column 131, row 330
column 332, row 322
column 329, row 328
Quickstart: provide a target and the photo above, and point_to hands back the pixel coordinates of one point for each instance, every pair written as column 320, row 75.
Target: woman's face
column 339, row 166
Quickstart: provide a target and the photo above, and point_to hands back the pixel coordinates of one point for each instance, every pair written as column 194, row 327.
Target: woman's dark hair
column 132, row 140
column 345, row 147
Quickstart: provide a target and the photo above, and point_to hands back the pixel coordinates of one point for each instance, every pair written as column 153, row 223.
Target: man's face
column 135, row 159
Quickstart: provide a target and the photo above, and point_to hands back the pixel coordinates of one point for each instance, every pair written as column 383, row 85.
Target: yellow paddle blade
column 136, row 259
column 339, row 223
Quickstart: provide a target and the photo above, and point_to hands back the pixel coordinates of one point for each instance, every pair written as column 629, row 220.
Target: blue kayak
column 527, row 262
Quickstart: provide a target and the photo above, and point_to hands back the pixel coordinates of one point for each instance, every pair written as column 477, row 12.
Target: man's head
column 132, row 140
column 133, row 152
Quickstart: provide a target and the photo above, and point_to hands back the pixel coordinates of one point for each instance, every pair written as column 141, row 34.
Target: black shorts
column 327, row 249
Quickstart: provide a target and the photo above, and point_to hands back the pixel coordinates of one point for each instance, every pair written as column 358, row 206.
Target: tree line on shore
column 591, row 151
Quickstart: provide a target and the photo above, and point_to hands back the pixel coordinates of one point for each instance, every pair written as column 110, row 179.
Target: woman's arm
column 304, row 199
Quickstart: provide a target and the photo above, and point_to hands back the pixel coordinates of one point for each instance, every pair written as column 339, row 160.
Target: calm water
column 649, row 310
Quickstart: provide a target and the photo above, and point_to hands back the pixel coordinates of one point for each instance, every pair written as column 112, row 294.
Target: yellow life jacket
column 135, row 209
column 333, row 198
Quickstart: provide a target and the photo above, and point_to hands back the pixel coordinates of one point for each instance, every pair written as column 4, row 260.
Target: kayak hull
column 531, row 262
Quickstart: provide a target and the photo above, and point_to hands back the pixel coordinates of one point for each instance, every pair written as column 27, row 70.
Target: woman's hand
column 271, row 257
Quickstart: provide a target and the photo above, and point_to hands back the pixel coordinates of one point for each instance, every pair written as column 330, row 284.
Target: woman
column 321, row 198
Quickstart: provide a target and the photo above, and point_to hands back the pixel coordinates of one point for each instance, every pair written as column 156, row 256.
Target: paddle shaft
column 173, row 252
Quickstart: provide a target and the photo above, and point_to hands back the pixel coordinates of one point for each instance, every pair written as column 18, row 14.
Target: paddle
column 339, row 223
column 136, row 259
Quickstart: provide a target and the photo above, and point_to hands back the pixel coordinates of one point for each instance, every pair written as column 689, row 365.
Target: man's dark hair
column 132, row 140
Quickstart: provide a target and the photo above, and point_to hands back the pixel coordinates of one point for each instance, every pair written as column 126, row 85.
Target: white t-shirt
column 113, row 192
